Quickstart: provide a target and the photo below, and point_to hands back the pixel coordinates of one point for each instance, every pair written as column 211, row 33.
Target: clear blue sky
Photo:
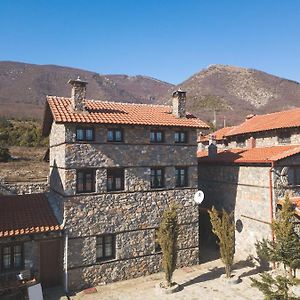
column 166, row 39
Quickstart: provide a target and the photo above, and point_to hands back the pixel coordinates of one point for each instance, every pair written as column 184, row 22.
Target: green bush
column 21, row 133
column 167, row 238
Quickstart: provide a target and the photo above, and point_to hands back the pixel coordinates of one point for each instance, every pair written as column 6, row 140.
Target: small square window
column 114, row 135
column 157, row 178
column 180, row 137
column 85, row 134
column 156, row 136
column 284, row 138
column 293, row 176
column 105, row 247
column 85, row 182
column 115, row 179
column 181, row 174
column 12, row 257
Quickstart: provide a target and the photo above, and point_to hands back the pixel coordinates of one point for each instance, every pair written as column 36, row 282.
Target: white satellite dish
column 199, row 197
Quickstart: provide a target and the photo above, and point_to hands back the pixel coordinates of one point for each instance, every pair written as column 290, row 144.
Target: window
column 157, row 178
column 284, row 138
column 115, row 179
column 105, row 247
column 85, row 181
column 156, row 136
column 181, row 174
column 180, row 137
column 12, row 257
column 157, row 247
column 114, row 135
column 240, row 142
column 293, row 175
column 85, row 134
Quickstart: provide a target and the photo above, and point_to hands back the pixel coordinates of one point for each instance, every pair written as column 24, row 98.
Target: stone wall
column 133, row 219
column 23, row 188
column 133, row 214
column 244, row 190
column 263, row 139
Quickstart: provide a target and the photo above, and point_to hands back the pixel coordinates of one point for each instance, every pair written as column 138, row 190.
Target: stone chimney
column 212, row 148
column 251, row 142
column 178, row 104
column 78, row 94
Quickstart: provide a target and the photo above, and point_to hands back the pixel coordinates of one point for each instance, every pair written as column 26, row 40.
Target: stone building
column 114, row 168
column 252, row 167
column 30, row 239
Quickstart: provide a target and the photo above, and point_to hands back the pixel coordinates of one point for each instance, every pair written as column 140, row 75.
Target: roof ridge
column 116, row 102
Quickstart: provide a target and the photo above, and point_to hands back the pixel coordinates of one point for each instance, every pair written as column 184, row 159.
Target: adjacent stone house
column 114, row 168
column 30, row 239
column 248, row 170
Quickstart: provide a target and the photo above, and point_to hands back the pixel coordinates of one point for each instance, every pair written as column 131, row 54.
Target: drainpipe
column 66, row 264
column 271, row 196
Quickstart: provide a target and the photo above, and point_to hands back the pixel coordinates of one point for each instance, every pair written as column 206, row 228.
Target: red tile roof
column 219, row 134
column 283, row 119
column 25, row 214
column 119, row 113
column 254, row 155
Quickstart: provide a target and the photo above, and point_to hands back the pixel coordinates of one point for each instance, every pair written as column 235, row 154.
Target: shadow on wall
column 219, row 184
column 55, row 180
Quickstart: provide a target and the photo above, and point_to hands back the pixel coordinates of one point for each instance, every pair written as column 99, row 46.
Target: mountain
column 236, row 92
column 23, row 87
column 232, row 92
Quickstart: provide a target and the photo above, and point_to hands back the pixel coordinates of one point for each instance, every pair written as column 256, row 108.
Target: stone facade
column 244, row 190
column 23, row 188
column 132, row 214
column 262, row 139
column 31, row 253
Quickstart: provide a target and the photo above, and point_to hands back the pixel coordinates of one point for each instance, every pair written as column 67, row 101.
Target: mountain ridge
column 229, row 92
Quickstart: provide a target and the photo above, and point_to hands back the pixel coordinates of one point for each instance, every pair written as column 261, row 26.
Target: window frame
column 296, row 178
column 154, row 132
column 284, row 138
column 180, row 141
column 114, row 140
column 155, row 169
column 178, row 176
column 12, row 257
column 85, row 172
column 84, row 134
column 240, row 142
column 115, row 174
column 103, row 238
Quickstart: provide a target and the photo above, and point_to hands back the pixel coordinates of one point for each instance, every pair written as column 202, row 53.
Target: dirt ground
column 197, row 282
column 27, row 165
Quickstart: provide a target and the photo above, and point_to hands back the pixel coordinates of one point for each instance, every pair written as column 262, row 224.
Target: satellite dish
column 199, row 197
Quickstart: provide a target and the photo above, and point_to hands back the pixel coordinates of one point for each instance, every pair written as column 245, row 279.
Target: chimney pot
column 78, row 93
column 179, row 103
column 212, row 148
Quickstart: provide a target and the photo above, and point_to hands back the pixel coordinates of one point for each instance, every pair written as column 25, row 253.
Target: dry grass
column 27, row 165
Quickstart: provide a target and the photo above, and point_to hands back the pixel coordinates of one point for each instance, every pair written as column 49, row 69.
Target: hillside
column 236, row 92
column 232, row 91
column 23, row 87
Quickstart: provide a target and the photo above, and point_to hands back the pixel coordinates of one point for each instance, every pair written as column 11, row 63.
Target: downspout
column 66, row 240
column 66, row 264
column 271, row 196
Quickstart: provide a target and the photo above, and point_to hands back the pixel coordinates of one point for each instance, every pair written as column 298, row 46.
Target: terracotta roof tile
column 120, row 113
column 254, row 155
column 25, row 214
column 219, row 134
column 283, row 119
